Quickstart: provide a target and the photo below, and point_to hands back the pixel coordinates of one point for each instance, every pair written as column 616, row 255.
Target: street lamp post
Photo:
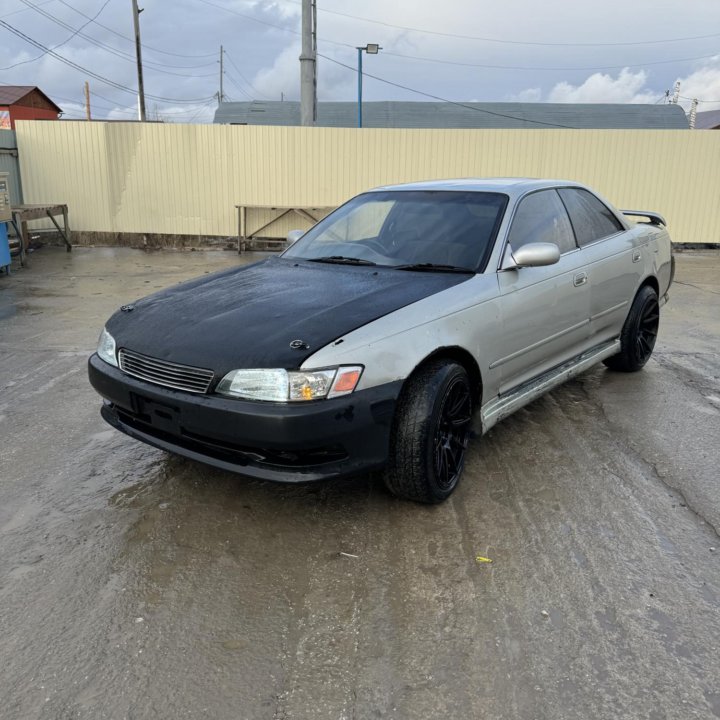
column 370, row 49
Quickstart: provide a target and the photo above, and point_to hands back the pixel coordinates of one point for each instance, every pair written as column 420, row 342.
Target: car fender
column 662, row 259
column 657, row 258
column 465, row 316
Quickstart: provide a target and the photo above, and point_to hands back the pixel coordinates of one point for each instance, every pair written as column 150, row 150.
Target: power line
column 268, row 24
column 67, row 40
column 114, row 51
column 63, row 59
column 698, row 99
column 22, row 10
column 129, row 39
column 112, row 106
column 96, row 105
column 441, row 99
column 115, row 104
column 186, row 111
column 249, row 17
column 198, row 112
column 509, row 42
column 91, row 73
column 480, row 65
column 542, row 67
column 247, row 82
column 117, row 107
column 237, row 86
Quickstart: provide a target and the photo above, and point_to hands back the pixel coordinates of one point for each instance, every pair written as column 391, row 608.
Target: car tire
column 639, row 333
column 430, row 433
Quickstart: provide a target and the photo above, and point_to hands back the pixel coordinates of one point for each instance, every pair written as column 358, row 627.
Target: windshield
column 407, row 227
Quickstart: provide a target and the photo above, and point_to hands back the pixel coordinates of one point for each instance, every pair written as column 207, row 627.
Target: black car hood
column 248, row 316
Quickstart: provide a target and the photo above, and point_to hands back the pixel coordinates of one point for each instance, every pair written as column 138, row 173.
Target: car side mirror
column 294, row 235
column 531, row 255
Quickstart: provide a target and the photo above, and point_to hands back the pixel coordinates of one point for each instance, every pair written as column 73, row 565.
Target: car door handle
column 636, row 256
column 580, row 279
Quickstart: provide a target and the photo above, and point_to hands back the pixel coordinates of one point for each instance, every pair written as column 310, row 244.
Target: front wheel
column 430, row 433
column 639, row 333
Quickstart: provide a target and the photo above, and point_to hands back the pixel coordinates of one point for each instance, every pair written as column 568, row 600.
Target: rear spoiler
column 654, row 218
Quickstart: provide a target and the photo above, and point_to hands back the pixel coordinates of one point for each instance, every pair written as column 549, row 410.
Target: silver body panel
column 528, row 328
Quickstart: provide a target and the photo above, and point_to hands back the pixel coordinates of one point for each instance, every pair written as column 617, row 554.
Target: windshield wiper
column 435, row 267
column 342, row 260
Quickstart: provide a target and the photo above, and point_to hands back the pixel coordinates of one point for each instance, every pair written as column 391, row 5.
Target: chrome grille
column 162, row 372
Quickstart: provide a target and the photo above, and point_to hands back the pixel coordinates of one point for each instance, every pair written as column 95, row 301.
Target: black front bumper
column 293, row 442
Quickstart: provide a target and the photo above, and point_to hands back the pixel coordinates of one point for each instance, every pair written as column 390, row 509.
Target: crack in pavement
column 638, row 455
column 697, row 287
column 698, row 380
column 680, row 492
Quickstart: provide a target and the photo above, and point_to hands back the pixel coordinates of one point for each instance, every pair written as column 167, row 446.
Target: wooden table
column 22, row 214
column 245, row 234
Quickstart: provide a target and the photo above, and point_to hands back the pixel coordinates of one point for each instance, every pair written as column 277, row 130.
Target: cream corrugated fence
column 187, row 179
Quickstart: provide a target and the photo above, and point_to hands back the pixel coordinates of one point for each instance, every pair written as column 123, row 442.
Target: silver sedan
column 374, row 340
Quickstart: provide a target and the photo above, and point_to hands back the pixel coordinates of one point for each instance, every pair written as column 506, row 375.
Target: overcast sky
column 554, row 51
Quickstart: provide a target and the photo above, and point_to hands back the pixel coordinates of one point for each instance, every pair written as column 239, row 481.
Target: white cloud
column 632, row 87
column 266, row 51
column 528, row 95
column 627, row 87
column 284, row 76
column 277, row 10
column 703, row 84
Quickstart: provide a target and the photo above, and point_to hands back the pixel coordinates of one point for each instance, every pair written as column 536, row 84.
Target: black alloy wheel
column 639, row 333
column 430, row 433
column 452, row 432
column 648, row 325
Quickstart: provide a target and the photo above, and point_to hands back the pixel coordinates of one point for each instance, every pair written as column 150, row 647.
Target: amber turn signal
column 346, row 380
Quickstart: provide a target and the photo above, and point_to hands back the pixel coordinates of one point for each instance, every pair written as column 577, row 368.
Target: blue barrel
column 4, row 246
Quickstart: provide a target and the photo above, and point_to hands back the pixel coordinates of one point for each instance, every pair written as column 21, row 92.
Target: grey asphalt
column 138, row 585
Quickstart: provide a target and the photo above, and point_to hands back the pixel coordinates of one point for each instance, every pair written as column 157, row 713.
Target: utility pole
column 87, row 101
column 359, row 87
column 138, row 55
column 221, row 95
column 308, row 60
column 693, row 113
column 314, row 49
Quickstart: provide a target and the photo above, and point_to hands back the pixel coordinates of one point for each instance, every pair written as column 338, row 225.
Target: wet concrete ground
column 138, row 585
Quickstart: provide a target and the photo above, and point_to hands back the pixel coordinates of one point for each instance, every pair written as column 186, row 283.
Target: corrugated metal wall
column 187, row 179
column 9, row 164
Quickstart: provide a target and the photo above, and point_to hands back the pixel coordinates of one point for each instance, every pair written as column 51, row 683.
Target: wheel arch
column 461, row 356
column 650, row 281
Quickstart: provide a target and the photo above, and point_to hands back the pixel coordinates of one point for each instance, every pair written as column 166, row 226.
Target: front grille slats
column 163, row 379
column 131, row 355
column 160, row 374
column 163, row 372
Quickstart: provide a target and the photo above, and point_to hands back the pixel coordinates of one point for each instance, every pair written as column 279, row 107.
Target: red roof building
column 25, row 102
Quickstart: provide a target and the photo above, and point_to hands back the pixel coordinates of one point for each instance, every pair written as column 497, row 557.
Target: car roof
column 510, row 185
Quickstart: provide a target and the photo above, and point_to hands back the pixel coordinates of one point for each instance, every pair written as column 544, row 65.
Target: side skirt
column 506, row 404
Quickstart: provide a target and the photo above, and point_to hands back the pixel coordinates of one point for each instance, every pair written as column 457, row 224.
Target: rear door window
column 591, row 219
column 541, row 217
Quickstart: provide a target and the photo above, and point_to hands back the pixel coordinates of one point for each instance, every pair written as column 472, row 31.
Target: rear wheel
column 639, row 333
column 430, row 433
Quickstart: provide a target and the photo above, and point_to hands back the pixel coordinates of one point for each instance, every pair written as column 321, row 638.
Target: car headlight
column 106, row 348
column 290, row 385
